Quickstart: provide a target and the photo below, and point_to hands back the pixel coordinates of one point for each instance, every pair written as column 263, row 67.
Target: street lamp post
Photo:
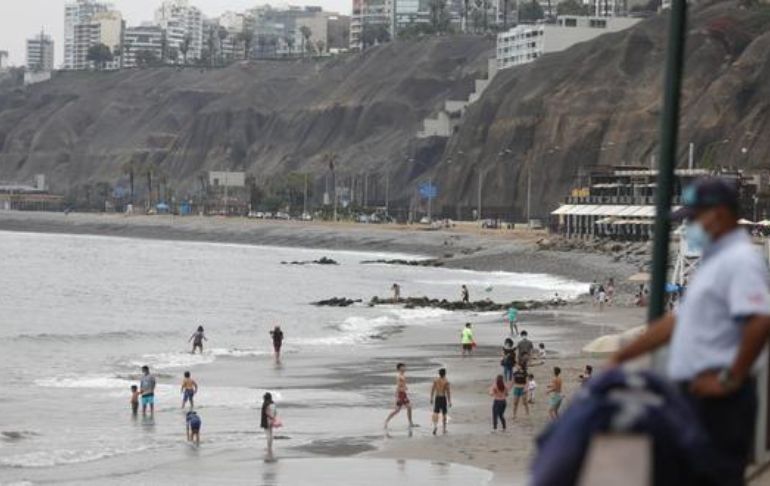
column 478, row 213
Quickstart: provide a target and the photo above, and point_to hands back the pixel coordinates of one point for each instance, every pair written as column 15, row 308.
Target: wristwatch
column 727, row 380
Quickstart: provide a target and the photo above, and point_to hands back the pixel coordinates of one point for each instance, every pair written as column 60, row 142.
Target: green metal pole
column 669, row 130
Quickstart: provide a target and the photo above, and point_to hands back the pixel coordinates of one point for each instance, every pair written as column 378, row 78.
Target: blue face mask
column 697, row 238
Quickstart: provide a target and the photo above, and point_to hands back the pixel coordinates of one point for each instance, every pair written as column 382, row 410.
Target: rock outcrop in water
column 418, row 302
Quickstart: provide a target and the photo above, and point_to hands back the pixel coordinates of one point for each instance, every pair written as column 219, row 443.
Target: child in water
column 193, row 428
column 189, row 389
column 135, row 399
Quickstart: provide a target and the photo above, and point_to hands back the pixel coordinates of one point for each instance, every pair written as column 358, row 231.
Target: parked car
column 425, row 220
column 282, row 215
column 490, row 224
column 306, row 217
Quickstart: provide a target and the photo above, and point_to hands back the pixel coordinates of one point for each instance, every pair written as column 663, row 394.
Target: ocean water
column 79, row 315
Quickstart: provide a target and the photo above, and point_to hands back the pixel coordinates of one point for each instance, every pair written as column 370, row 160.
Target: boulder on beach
column 337, row 302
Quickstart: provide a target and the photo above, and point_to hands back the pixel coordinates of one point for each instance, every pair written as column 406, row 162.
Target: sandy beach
column 367, row 373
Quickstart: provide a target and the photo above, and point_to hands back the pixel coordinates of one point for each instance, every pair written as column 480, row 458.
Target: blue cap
column 707, row 192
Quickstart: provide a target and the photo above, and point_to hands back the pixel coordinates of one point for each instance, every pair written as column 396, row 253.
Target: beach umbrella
column 639, row 277
column 764, row 222
column 672, row 287
column 745, row 222
column 611, row 343
column 606, row 344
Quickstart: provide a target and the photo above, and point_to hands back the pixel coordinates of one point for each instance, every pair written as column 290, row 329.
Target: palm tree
column 222, row 34
column 149, row 171
column 465, row 15
column 289, row 43
column 184, row 47
column 247, row 37
column 129, row 168
column 306, row 33
column 212, row 47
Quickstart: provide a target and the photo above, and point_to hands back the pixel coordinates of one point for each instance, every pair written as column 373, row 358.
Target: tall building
column 181, row 21
column 103, row 28
column 40, row 53
column 142, row 44
column 3, row 59
column 76, row 13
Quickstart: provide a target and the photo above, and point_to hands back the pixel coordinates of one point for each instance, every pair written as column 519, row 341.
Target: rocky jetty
column 431, row 262
column 337, row 302
column 421, row 302
column 320, row 261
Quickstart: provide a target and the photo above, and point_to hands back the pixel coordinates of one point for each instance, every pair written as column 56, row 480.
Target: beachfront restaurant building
column 619, row 202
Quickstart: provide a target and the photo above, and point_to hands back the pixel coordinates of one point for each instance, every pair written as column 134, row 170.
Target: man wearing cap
column 720, row 328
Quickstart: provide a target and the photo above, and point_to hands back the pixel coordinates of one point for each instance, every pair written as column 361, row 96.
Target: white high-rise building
column 527, row 42
column 3, row 59
column 40, row 53
column 103, row 28
column 142, row 44
column 75, row 13
column 180, row 20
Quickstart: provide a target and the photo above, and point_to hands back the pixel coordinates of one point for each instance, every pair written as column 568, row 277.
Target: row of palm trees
column 153, row 176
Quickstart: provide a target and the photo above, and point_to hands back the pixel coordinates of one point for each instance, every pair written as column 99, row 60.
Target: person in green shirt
column 513, row 315
column 466, row 338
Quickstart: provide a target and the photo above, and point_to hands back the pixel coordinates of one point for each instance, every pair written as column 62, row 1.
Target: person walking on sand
column 197, row 339
column 513, row 315
column 268, row 419
column 554, row 394
column 524, row 350
column 520, row 389
column 147, row 390
column 531, row 388
column 277, row 335
column 441, row 399
column 499, row 393
column 188, row 389
column 721, row 328
column 396, row 288
column 610, row 291
column 402, row 398
column 508, row 360
column 465, row 295
column 466, row 340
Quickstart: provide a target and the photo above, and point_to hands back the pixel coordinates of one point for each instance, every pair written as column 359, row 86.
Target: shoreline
column 367, row 369
column 462, row 247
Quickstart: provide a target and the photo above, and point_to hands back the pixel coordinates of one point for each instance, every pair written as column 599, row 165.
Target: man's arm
column 755, row 335
column 448, row 394
column 432, row 391
column 656, row 336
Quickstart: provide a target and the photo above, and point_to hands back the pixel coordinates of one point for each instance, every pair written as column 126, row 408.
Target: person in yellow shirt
column 467, row 341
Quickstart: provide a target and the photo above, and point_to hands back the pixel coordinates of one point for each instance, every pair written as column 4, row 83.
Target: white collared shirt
column 729, row 285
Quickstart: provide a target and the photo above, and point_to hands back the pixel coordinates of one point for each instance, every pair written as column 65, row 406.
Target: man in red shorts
column 402, row 399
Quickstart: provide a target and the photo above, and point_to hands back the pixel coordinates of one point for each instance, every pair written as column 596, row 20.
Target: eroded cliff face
column 599, row 103
column 266, row 118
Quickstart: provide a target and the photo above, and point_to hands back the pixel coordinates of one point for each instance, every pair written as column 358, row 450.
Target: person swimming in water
column 402, row 399
column 197, row 339
column 441, row 399
column 189, row 388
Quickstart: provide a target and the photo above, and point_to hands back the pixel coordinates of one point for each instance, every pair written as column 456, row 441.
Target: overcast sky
column 20, row 19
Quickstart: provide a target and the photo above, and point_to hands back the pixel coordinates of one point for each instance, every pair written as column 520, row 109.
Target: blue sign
column 428, row 190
